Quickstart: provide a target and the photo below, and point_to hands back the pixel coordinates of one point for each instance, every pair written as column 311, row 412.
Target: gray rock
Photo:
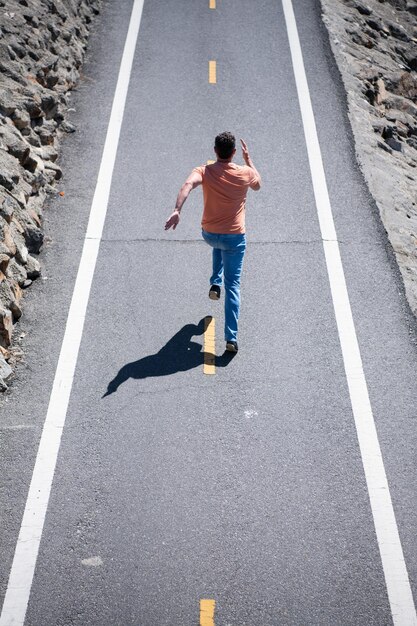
column 9, row 170
column 5, row 369
column 375, row 24
column 21, row 118
column 7, row 205
column 33, row 235
column 6, row 327
column 385, row 123
column 412, row 7
column 42, row 45
column 53, row 167
column 362, row 8
column 67, row 127
column 17, row 272
column 33, row 268
column 384, row 146
column 21, row 249
column 398, row 31
column 394, row 144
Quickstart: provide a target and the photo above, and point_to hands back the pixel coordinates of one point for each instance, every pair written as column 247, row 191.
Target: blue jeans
column 228, row 252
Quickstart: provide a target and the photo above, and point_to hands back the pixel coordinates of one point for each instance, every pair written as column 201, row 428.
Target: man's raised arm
column 194, row 180
column 245, row 153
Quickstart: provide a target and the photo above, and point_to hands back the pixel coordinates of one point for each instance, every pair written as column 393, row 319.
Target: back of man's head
column 225, row 144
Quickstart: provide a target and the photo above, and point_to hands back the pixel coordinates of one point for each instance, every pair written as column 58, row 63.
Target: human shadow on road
column 179, row 354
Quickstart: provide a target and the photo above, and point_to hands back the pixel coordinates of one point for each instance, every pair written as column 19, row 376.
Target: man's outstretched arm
column 245, row 153
column 194, row 180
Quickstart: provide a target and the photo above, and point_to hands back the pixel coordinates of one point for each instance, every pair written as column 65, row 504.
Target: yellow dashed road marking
column 207, row 612
column 212, row 72
column 209, row 349
column 212, row 4
column 210, row 162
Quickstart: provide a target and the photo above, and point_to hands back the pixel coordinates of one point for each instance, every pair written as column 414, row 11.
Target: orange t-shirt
column 225, row 186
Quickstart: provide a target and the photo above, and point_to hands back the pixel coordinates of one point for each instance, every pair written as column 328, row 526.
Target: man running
column 225, row 186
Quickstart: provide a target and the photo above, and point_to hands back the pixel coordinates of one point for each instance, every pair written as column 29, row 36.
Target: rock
column 398, row 4
column 394, row 115
column 7, row 205
column 7, row 244
column 7, row 102
column 360, row 39
column 376, row 24
column 35, row 204
column 33, row 237
column 5, row 369
column 384, row 146
column 402, row 129
column 4, row 263
column 9, row 170
column 362, row 8
column 407, row 86
column 10, row 295
column 17, row 272
column 401, row 103
column 394, row 144
column 47, row 153
column 53, row 167
column 21, row 249
column 398, row 31
column 5, row 353
column 33, row 268
column 67, row 127
column 381, row 92
column 21, row 118
column 412, row 142
column 31, row 162
column 381, row 87
column 6, row 327
column 409, row 55
column 42, row 44
column 46, row 134
column 19, row 149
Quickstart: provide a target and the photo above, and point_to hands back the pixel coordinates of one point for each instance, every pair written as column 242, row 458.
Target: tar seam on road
column 393, row 563
column 207, row 612
column 24, row 561
column 209, row 366
column 212, row 72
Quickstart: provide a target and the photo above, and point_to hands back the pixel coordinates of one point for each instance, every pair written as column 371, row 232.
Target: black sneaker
column 214, row 293
column 231, row 346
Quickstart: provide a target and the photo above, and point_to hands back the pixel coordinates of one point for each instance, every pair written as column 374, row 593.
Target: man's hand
column 245, row 152
column 173, row 220
column 194, row 180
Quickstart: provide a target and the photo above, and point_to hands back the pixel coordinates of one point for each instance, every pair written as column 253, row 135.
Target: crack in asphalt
column 250, row 242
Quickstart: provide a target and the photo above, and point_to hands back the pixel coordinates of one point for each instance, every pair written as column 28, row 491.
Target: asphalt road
column 246, row 487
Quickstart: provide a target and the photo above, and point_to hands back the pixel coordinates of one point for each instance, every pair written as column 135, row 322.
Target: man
column 225, row 186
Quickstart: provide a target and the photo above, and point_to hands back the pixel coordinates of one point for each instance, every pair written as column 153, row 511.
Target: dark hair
column 225, row 144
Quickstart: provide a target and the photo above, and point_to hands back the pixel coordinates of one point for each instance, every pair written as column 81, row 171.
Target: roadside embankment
column 375, row 46
column 42, row 45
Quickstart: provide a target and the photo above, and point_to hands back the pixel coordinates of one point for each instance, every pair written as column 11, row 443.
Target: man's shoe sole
column 213, row 296
column 230, row 347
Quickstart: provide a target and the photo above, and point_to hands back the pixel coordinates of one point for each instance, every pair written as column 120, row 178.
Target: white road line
column 395, row 570
column 24, row 561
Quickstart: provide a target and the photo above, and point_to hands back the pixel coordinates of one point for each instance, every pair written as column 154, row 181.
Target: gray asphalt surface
column 246, row 487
